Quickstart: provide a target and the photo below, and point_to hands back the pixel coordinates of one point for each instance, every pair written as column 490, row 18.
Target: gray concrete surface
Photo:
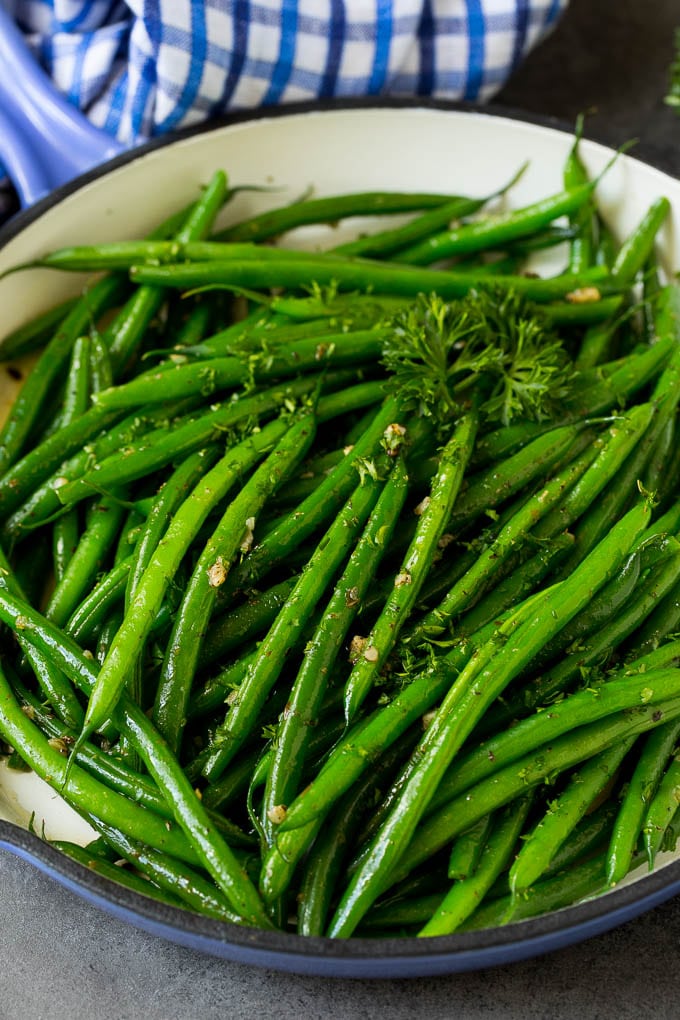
column 62, row 958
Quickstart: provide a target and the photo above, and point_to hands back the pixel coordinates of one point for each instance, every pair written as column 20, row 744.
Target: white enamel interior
column 331, row 153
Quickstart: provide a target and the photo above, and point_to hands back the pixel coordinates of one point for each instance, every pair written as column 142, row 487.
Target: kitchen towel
column 139, row 68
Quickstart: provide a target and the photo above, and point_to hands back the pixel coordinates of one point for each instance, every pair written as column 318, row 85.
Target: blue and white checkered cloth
column 139, row 68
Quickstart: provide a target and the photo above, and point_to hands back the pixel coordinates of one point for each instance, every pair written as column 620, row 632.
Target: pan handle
column 44, row 140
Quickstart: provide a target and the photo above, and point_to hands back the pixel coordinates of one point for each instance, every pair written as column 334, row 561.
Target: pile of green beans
column 306, row 655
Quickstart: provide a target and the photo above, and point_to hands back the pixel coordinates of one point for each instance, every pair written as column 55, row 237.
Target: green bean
column 114, row 873
column 578, row 883
column 261, row 675
column 26, row 408
column 233, row 533
column 409, row 580
column 101, row 371
column 66, row 530
column 651, row 286
column 654, row 475
column 589, row 836
column 209, row 377
column 128, row 642
column 525, row 773
column 617, row 494
column 30, row 337
column 563, row 814
column 207, row 846
column 237, row 626
column 595, row 347
column 550, row 237
column 608, row 601
column 77, row 388
column 492, row 556
column 293, row 734
column 479, row 683
column 166, row 502
column 124, row 335
column 635, row 250
column 329, row 210
column 103, row 523
column 661, row 621
column 125, row 254
column 182, row 881
column 661, row 809
column 464, row 896
column 495, row 231
column 607, row 244
column 582, row 246
column 581, row 313
column 386, row 242
column 357, row 274
column 643, row 783
column 162, row 446
column 194, row 327
column 404, row 916
column 467, row 850
column 323, row 866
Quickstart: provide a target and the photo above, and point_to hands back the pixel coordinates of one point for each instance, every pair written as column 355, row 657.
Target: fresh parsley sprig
column 496, row 347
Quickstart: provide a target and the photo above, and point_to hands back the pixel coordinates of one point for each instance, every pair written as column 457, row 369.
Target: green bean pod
column 66, row 530
column 483, row 679
column 206, row 844
column 661, row 810
column 363, row 274
column 467, row 850
column 563, row 814
column 289, row 752
column 182, row 881
column 260, row 676
column 233, row 533
column 410, row 578
column 516, row 779
column 128, row 642
column 643, row 783
column 113, row 872
column 464, row 896
column 328, row 210
column 26, row 408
